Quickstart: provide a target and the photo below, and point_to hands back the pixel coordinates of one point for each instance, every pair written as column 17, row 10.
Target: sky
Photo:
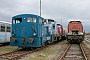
column 62, row 11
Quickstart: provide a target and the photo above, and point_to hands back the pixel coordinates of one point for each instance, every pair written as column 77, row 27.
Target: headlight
column 34, row 34
column 80, row 33
column 13, row 33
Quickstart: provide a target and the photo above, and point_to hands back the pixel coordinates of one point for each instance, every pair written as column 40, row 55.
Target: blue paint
column 26, row 30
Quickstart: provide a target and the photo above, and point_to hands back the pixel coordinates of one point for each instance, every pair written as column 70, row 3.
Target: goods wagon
column 5, row 32
column 75, row 32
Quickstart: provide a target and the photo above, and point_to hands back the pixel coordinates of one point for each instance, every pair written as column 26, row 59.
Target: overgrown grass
column 87, row 43
column 7, row 48
column 43, row 55
column 47, row 52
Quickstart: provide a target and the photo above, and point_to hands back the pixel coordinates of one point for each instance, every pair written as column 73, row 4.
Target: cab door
column 17, row 27
column 29, row 26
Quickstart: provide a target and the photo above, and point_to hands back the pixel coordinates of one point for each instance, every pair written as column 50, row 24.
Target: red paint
column 75, row 25
column 59, row 29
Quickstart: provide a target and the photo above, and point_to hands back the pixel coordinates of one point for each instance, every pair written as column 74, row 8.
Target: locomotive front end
column 75, row 32
column 26, row 31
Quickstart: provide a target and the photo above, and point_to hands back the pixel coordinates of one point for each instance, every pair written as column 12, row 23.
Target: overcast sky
column 55, row 9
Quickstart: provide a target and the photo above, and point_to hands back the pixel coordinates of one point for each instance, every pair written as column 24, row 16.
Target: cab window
column 30, row 19
column 17, row 20
column 2, row 28
column 8, row 29
column 40, row 20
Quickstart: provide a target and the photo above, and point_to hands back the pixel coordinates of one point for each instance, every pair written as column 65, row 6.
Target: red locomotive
column 61, row 32
column 75, row 32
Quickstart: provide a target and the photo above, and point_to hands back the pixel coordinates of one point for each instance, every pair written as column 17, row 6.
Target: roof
column 74, row 21
column 50, row 20
column 25, row 15
column 5, row 22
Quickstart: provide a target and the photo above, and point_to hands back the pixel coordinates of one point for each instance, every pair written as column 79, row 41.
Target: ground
column 50, row 53
column 4, row 49
column 87, row 41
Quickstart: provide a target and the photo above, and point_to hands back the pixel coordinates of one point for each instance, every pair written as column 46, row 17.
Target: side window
column 2, row 28
column 34, row 20
column 8, row 29
column 53, row 26
column 45, row 21
column 40, row 20
column 30, row 19
column 17, row 20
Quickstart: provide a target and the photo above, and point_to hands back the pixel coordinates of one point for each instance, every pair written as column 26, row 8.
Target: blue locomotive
column 27, row 31
column 50, row 26
column 54, row 30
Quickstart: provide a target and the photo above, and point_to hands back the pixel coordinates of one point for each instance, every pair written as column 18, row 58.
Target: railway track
column 7, row 44
column 18, row 54
column 7, row 48
column 74, row 52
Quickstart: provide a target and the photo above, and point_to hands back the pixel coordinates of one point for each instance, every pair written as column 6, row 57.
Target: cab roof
column 20, row 15
column 74, row 21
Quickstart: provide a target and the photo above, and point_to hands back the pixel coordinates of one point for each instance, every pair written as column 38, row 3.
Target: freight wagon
column 75, row 32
